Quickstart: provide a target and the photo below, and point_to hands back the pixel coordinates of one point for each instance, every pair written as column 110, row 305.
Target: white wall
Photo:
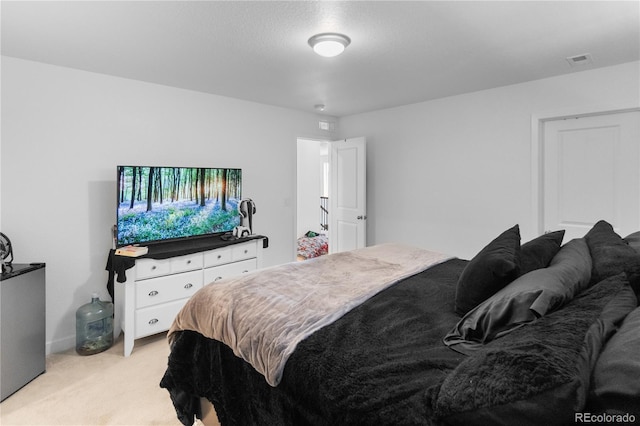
column 63, row 133
column 447, row 174
column 452, row 173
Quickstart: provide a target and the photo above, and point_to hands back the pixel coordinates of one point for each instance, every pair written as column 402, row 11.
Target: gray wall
column 452, row 173
column 445, row 175
column 63, row 133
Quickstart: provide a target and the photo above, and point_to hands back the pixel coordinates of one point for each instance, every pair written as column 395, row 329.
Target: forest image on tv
column 159, row 203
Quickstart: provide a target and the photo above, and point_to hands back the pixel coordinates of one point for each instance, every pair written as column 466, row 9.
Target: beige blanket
column 263, row 315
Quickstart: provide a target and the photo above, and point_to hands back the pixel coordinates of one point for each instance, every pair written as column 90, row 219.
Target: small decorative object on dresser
column 132, row 251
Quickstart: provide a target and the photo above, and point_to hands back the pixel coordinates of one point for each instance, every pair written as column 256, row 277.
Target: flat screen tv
column 168, row 203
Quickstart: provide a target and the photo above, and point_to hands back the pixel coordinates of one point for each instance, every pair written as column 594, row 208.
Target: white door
column 347, row 195
column 590, row 172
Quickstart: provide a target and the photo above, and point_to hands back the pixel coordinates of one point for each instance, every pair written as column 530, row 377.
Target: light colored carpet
column 101, row 389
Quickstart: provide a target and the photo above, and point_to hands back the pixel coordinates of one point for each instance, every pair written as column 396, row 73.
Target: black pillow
column 612, row 255
column 526, row 298
column 538, row 252
column 495, row 266
column 615, row 377
column 633, row 240
column 539, row 373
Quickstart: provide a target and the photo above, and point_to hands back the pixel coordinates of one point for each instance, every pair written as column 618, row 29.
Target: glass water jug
column 94, row 326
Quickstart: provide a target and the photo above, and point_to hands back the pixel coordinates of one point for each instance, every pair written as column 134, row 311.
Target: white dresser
column 156, row 289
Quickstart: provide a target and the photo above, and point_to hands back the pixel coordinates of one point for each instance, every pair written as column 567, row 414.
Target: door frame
column 313, row 139
column 538, row 121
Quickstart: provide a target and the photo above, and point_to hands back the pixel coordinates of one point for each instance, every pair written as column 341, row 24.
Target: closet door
column 591, row 171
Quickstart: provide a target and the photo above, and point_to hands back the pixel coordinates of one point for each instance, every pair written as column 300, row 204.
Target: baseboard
column 60, row 345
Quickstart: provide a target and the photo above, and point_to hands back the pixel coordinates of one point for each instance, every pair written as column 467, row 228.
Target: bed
column 533, row 333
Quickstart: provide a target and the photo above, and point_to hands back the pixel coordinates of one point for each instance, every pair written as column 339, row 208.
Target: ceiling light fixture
column 329, row 44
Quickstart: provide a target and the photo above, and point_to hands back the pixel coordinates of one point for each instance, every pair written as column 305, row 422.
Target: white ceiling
column 401, row 52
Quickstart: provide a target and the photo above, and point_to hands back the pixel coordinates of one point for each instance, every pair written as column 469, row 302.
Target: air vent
column 327, row 125
column 577, row 60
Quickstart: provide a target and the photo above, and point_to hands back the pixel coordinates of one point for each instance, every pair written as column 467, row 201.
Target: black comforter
column 337, row 375
column 385, row 363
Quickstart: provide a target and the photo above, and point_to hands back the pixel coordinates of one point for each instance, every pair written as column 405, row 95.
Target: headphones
column 247, row 209
column 243, row 207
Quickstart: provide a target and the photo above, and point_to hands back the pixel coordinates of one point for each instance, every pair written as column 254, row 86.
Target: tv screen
column 167, row 203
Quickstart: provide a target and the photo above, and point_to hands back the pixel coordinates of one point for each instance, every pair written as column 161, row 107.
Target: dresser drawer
column 149, row 268
column 217, row 257
column 171, row 287
column 243, row 251
column 229, row 270
column 157, row 318
column 185, row 263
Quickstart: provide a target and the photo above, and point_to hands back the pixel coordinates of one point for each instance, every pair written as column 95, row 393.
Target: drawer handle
column 245, row 271
column 153, row 293
column 246, row 251
column 153, row 268
column 188, row 262
column 217, row 279
column 153, row 321
column 188, row 286
column 219, row 256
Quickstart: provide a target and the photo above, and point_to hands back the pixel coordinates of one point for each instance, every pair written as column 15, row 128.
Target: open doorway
column 312, row 213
